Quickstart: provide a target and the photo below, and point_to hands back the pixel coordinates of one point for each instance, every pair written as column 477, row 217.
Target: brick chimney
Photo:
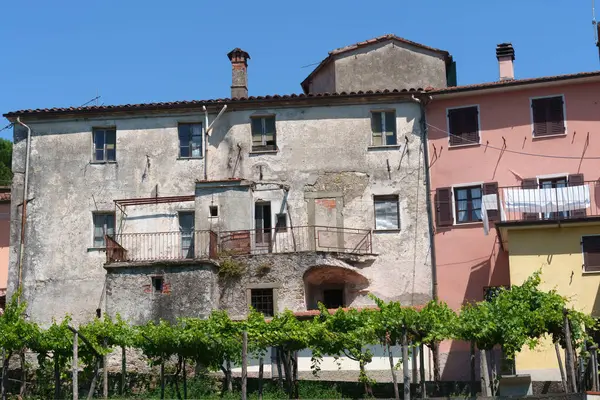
column 239, row 72
column 506, row 57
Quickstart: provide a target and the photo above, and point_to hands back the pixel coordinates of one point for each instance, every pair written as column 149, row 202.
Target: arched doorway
column 333, row 286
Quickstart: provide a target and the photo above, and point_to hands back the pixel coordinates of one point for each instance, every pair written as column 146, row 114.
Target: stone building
column 175, row 209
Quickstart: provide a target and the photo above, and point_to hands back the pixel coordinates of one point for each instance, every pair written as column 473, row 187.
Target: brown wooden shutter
column 556, row 117
column 455, row 123
column 530, row 183
column 539, row 107
column 577, row 180
column 591, row 253
column 492, row 188
column 471, row 125
column 443, row 206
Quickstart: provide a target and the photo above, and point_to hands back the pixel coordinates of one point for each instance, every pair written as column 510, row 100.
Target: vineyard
column 511, row 319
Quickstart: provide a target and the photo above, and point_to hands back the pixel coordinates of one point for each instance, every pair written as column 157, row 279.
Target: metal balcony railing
column 162, row 246
column 516, row 203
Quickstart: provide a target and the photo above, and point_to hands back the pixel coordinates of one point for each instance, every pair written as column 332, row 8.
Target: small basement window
column 213, row 211
column 157, row 284
column 281, row 223
column 590, row 246
column 262, row 301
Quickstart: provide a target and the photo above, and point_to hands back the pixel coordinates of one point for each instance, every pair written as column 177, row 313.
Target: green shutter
column 376, row 128
column 390, row 128
column 256, row 125
column 270, row 131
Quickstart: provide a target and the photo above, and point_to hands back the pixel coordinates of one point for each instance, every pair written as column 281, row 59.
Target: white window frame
column 583, row 271
column 479, row 130
column 382, row 112
column 463, row 186
column 532, row 124
column 397, row 197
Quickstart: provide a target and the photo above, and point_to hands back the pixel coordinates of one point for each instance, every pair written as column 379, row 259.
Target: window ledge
column 190, row 158
column 386, row 230
column 92, row 249
column 558, row 135
column 460, row 146
column 385, row 147
column 584, row 272
column 102, row 162
column 475, row 223
column 260, row 152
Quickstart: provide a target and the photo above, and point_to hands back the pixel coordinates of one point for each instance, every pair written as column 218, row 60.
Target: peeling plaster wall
column 322, row 152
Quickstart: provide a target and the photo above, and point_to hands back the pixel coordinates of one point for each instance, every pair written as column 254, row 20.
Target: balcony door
column 186, row 232
column 263, row 225
column 554, row 183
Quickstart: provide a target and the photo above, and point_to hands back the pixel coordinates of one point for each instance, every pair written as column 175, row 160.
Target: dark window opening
column 213, row 211
column 463, row 124
column 262, row 301
column 157, row 284
column 105, row 142
column 262, row 223
column 333, row 298
column 467, row 204
column 263, row 133
column 590, row 246
column 548, row 116
column 104, row 225
column 383, row 127
column 490, row 292
column 190, row 140
column 186, row 229
column 281, row 222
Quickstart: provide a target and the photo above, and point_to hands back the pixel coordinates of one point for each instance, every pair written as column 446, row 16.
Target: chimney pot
column 505, row 53
column 239, row 72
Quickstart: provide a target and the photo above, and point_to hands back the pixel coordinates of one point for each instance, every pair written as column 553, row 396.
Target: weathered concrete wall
column 322, row 152
column 4, row 242
column 388, row 65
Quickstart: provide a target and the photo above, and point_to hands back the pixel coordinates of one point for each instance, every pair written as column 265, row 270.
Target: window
column 463, row 125
column 467, row 204
column 263, row 133
column 383, row 127
column 262, row 301
column 213, row 211
column 553, row 183
column 387, row 216
column 333, row 298
column 186, row 229
column 262, row 224
column 281, row 223
column 157, row 284
column 548, row 116
column 590, row 246
column 105, row 141
column 190, row 140
column 104, row 224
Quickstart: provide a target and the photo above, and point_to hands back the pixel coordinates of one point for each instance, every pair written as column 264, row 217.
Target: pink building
column 484, row 138
column 4, row 236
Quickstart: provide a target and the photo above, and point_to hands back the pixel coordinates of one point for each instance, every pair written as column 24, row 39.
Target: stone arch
column 333, row 285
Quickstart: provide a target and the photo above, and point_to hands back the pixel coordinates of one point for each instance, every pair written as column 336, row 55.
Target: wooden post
column 260, row 377
column 56, row 376
column 595, row 378
column 569, row 352
column 414, row 371
column 184, row 379
column 123, row 370
column 494, row 371
column 473, row 391
column 75, row 368
column 295, row 375
column 244, row 365
column 279, row 372
column 105, row 374
column 4, row 375
column 393, row 369
column 94, row 378
column 422, row 371
column 405, row 364
column 162, row 380
column 228, row 378
column 23, row 374
column 485, row 377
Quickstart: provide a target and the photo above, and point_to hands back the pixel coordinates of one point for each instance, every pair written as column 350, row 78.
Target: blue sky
column 62, row 53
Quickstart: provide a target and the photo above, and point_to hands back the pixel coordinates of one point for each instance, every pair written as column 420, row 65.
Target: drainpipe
column 24, row 209
column 434, row 282
column 205, row 136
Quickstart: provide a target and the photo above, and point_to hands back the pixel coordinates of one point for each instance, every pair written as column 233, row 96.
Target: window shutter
column 256, row 125
column 539, row 106
column 376, row 128
column 443, row 203
column 492, row 188
column 390, row 127
column 556, row 118
column 577, row 180
column 471, row 123
column 455, row 123
column 270, row 133
column 591, row 252
column 530, row 183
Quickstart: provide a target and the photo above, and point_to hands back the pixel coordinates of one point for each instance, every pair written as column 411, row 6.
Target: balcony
column 198, row 245
column 545, row 205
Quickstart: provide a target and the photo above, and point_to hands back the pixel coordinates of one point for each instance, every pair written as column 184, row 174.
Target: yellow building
column 568, row 254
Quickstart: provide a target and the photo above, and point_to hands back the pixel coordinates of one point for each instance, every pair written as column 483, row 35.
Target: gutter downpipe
column 24, row 209
column 205, row 134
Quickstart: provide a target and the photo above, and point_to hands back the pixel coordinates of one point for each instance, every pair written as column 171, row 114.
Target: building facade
column 4, row 242
column 514, row 179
